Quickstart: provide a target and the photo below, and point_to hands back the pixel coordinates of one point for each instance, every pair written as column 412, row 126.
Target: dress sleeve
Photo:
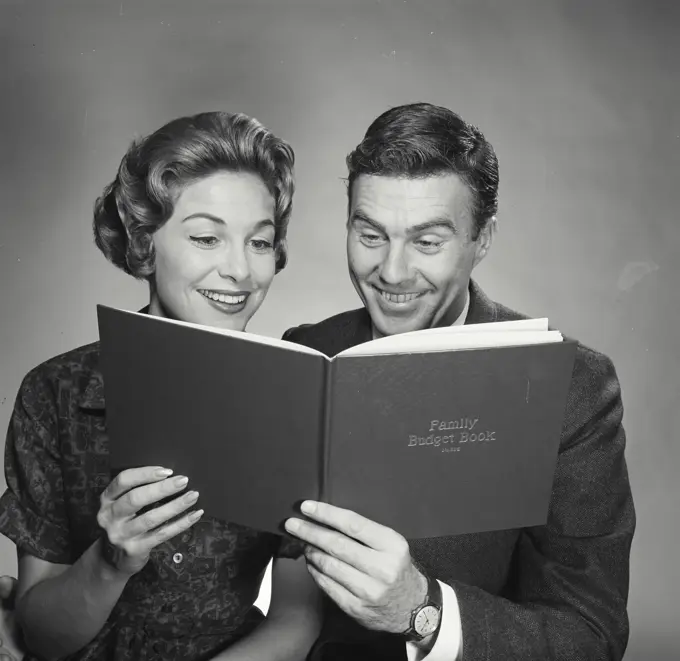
column 32, row 510
column 290, row 548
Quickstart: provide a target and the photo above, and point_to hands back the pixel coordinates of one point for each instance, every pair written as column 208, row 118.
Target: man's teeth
column 223, row 298
column 398, row 298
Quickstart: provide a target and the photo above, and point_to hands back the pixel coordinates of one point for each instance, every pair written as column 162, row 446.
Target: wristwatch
column 425, row 619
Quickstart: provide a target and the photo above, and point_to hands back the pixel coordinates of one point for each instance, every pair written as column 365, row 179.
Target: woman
column 128, row 569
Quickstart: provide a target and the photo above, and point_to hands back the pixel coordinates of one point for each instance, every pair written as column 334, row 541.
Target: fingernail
column 191, row 497
column 292, row 524
column 195, row 516
column 164, row 472
column 181, row 481
column 308, row 507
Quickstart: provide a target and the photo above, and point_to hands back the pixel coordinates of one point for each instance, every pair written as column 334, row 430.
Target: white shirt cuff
column 448, row 645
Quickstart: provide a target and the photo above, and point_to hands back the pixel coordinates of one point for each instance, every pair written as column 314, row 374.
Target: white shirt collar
column 463, row 315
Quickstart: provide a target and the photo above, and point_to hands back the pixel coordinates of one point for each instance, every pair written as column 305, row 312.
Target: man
column 421, row 215
column 422, row 192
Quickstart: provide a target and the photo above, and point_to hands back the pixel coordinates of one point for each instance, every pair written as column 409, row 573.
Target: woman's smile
column 229, row 302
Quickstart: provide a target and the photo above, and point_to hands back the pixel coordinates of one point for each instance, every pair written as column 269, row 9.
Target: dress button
column 177, row 558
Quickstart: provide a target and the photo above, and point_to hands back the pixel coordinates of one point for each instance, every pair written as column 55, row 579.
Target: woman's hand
column 11, row 647
column 130, row 537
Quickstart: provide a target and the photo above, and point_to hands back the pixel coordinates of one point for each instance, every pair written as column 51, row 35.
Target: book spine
column 326, row 421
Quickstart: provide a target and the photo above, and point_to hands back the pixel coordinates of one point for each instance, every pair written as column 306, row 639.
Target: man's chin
column 400, row 319
column 385, row 324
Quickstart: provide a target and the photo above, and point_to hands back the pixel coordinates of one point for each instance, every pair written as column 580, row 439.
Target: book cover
column 437, row 432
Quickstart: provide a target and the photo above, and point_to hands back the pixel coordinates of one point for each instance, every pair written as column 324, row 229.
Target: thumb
column 7, row 586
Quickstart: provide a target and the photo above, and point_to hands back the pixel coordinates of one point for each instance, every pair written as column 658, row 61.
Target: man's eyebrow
column 438, row 222
column 359, row 216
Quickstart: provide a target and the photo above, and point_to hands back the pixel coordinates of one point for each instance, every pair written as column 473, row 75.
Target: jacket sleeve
column 293, row 334
column 568, row 596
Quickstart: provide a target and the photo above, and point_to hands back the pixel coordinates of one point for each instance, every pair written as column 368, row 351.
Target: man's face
column 410, row 250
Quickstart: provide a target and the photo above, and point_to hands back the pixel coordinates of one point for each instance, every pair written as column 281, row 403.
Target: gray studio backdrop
column 580, row 99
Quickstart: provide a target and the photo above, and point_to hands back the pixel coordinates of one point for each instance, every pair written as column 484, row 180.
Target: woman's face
column 215, row 255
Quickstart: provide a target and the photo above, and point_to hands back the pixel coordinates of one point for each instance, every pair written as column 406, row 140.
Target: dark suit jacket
column 555, row 592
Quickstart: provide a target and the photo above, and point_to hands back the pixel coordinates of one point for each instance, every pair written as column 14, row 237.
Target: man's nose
column 395, row 269
column 234, row 264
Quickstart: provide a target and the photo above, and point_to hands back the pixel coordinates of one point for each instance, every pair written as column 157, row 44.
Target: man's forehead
column 410, row 199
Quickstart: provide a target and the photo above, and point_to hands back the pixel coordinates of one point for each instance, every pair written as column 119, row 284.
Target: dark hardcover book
column 437, row 432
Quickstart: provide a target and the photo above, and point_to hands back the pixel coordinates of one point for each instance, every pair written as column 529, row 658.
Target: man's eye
column 429, row 245
column 205, row 241
column 371, row 239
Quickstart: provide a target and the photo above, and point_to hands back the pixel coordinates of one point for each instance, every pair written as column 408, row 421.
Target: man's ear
column 485, row 239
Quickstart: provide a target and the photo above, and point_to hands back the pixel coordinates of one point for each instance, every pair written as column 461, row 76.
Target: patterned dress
column 195, row 595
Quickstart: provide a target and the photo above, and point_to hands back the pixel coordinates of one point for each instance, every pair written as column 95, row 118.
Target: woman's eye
column 261, row 245
column 205, row 241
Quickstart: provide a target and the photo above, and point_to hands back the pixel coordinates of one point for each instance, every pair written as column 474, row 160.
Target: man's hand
column 10, row 640
column 364, row 567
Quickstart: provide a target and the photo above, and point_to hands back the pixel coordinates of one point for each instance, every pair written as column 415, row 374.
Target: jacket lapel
column 482, row 309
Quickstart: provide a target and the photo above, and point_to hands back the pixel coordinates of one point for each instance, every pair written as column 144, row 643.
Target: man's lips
column 397, row 298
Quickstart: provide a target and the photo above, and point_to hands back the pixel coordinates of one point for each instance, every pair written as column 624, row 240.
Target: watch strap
column 432, row 598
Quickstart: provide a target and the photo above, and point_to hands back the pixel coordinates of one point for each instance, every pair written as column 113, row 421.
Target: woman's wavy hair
column 153, row 171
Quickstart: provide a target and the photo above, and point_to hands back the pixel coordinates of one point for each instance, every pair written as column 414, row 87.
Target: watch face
column 426, row 621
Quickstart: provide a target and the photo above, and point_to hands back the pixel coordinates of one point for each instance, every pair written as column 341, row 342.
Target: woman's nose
column 234, row 264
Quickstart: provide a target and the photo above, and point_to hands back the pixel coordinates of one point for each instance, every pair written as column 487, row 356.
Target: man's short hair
column 423, row 140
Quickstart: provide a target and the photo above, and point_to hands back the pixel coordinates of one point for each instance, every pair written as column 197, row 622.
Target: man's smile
column 397, row 300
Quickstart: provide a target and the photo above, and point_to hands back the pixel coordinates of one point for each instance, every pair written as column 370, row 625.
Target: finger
column 340, row 595
column 353, row 525
column 134, row 477
column 336, row 544
column 131, row 502
column 153, row 539
column 159, row 515
column 361, row 585
column 7, row 586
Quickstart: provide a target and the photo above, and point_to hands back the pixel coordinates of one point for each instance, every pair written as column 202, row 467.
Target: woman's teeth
column 222, row 298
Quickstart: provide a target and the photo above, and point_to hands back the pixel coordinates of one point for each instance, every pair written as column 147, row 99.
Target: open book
column 435, row 432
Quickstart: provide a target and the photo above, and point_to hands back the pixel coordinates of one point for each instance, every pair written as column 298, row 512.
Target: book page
column 241, row 335
column 426, row 343
column 518, row 324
